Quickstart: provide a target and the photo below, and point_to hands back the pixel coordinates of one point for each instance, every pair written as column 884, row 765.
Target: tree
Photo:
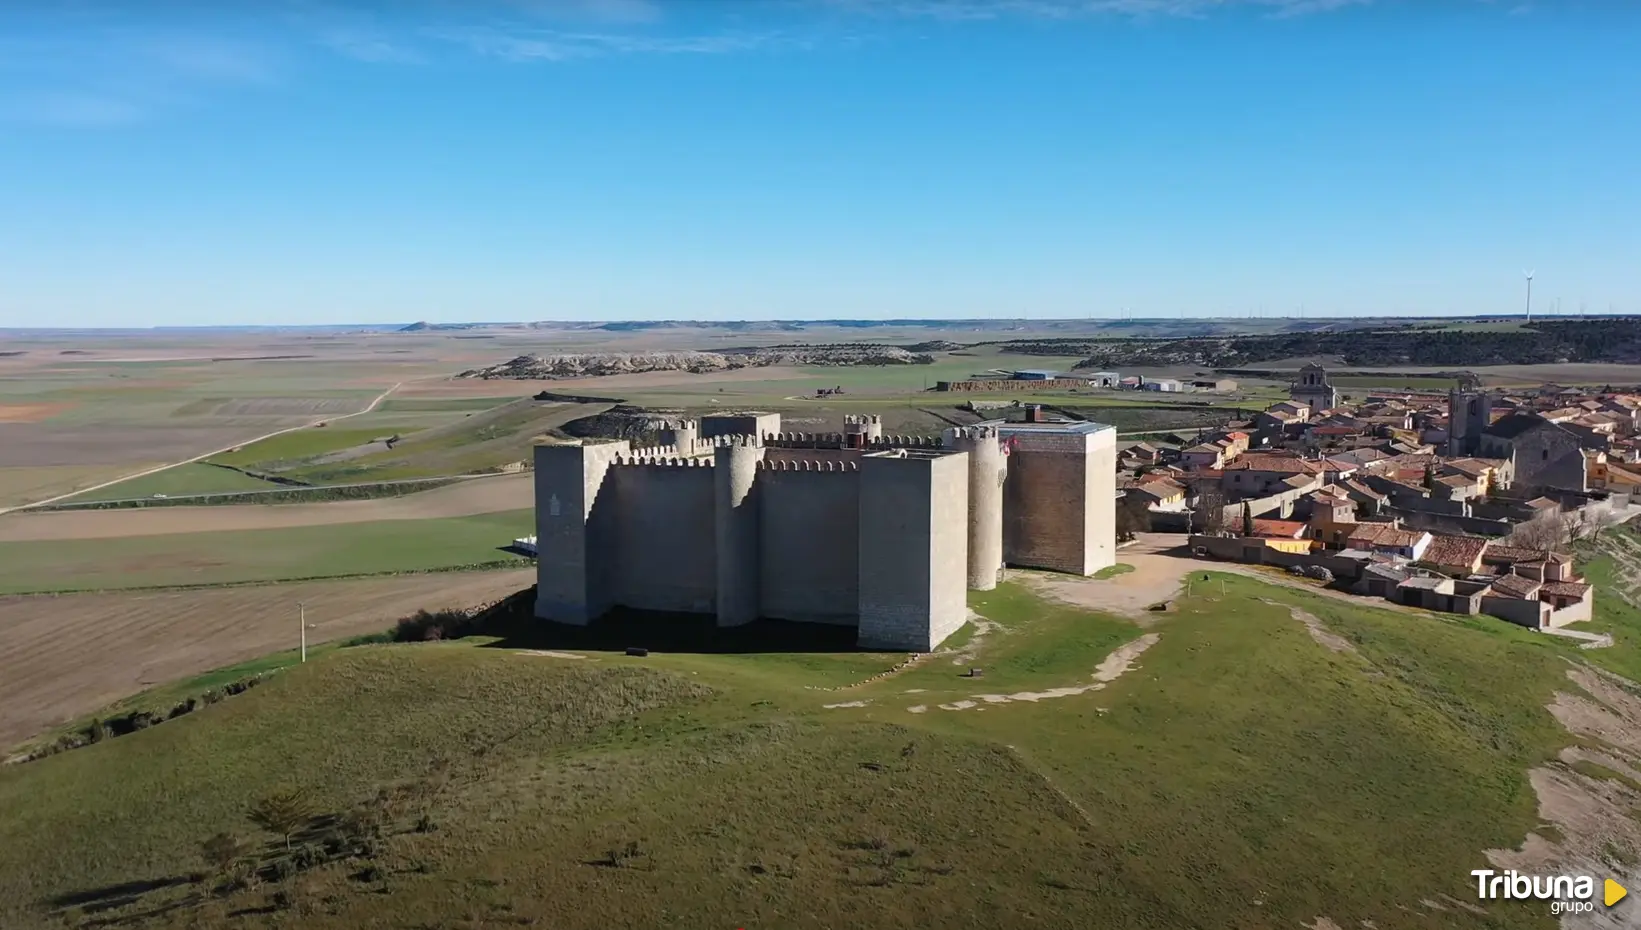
column 1132, row 517
column 1551, row 532
column 1247, row 519
column 1430, row 476
column 1210, row 507
column 282, row 813
column 222, row 851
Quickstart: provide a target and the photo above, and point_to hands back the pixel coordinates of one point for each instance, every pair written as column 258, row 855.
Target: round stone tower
column 684, row 434
column 860, row 429
column 735, row 471
column 987, row 469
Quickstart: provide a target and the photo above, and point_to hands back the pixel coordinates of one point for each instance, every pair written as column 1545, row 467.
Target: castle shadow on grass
column 514, row 625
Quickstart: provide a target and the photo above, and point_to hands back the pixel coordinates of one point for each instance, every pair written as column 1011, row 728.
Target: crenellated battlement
column 904, row 442
column 862, row 419
column 745, row 440
column 786, row 440
column 806, row 465
column 973, row 433
column 660, row 461
column 655, row 452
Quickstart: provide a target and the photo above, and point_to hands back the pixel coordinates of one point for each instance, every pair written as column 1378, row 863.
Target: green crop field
column 470, row 444
column 441, row 404
column 1241, row 774
column 192, row 478
column 301, row 444
column 1394, row 382
column 278, row 554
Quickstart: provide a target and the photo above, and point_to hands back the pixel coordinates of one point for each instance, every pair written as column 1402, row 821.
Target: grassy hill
column 1241, row 774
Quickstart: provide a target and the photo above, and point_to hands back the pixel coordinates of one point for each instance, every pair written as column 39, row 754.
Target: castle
column 735, row 518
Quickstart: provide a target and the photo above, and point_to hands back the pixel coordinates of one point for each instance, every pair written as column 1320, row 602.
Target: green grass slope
column 1241, row 774
column 474, row 443
column 192, row 478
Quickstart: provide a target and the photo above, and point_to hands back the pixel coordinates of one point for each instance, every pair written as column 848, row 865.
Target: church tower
column 1314, row 389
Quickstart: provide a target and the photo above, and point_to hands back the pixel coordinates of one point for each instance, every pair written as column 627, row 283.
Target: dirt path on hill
column 1161, row 564
column 1594, row 815
column 464, row 498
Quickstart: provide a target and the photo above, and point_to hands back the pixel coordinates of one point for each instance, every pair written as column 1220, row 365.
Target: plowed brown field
column 462, row 499
column 65, row 656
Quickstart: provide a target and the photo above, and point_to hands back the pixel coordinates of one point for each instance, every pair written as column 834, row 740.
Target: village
column 1467, row 502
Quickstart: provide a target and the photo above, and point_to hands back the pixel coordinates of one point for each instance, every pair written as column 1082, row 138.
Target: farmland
column 235, row 556
column 1237, row 766
column 459, row 499
column 65, row 656
column 193, row 478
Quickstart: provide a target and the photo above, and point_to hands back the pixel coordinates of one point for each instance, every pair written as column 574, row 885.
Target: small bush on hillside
column 222, row 851
column 431, row 626
column 622, row 855
column 282, row 813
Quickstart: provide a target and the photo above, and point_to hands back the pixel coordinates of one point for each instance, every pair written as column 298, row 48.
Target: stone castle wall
column 809, row 541
column 913, row 550
column 663, row 548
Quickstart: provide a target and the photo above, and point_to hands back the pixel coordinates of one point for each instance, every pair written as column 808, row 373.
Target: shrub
column 222, row 851
column 280, row 869
column 431, row 626
column 282, row 813
column 308, row 856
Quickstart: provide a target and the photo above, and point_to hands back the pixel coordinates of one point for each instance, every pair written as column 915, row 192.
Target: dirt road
column 65, row 656
column 464, row 498
column 204, row 455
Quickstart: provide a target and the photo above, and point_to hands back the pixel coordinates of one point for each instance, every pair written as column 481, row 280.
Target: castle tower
column 1060, row 496
column 574, row 530
column 684, row 434
column 735, row 472
column 987, row 469
column 914, row 505
column 859, row 430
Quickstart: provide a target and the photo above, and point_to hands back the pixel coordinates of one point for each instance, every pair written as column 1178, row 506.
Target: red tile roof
column 1279, row 529
column 1281, row 464
column 1454, row 550
column 1566, row 588
column 1516, row 586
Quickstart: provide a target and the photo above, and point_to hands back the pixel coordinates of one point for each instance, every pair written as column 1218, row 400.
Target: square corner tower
column 1060, row 497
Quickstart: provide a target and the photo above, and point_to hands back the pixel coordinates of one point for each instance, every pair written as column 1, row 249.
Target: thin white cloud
column 211, row 59
column 74, row 109
column 1070, row 9
column 551, row 45
column 602, row 11
column 106, row 73
column 368, row 47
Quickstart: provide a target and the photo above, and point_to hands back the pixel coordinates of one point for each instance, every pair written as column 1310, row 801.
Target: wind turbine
column 1529, row 275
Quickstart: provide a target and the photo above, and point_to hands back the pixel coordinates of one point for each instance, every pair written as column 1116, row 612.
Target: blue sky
column 305, row 161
